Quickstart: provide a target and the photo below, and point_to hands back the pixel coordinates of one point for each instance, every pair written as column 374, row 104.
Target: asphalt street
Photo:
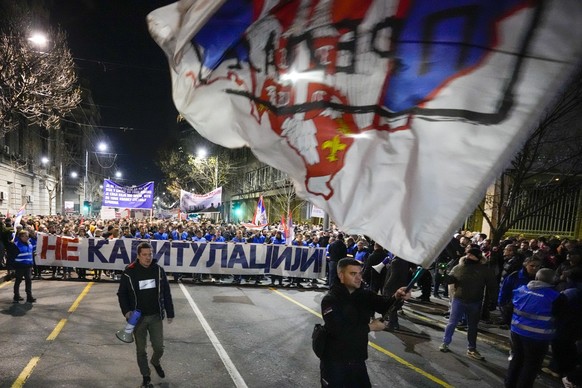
column 222, row 336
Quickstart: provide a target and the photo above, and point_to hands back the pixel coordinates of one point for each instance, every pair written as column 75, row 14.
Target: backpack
column 318, row 339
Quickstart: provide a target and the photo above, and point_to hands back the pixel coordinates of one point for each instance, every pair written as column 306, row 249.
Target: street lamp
column 74, row 174
column 118, row 174
column 44, row 160
column 38, row 39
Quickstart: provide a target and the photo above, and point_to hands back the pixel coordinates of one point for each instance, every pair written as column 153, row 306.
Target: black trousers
column 22, row 273
column 344, row 374
column 526, row 362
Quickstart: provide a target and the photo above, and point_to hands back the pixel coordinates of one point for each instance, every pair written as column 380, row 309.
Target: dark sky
column 128, row 76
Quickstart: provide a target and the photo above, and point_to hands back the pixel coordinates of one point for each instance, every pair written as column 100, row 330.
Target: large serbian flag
column 391, row 115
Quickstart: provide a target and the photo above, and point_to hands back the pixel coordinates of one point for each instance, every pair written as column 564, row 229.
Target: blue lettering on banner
column 238, row 257
column 94, row 250
column 253, row 259
column 180, row 246
column 316, row 259
column 212, row 254
column 285, row 256
column 268, row 258
column 160, row 249
column 198, row 250
column 119, row 252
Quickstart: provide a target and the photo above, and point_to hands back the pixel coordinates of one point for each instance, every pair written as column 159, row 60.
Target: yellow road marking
column 409, row 365
column 4, row 284
column 57, row 330
column 373, row 345
column 297, row 303
column 26, row 372
column 80, row 297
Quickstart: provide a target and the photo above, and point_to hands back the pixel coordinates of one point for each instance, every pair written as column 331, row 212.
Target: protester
column 23, row 266
column 469, row 278
column 532, row 328
column 512, row 282
column 337, row 251
column 144, row 287
column 346, row 310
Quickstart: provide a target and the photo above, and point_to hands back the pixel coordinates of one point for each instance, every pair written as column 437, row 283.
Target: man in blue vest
column 23, row 265
column 532, row 327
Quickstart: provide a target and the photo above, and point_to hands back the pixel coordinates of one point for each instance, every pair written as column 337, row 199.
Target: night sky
column 128, row 76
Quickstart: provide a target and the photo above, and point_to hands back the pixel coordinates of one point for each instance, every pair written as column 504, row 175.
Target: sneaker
column 159, row 370
column 444, row 348
column 473, row 353
column 567, row 383
column 146, row 382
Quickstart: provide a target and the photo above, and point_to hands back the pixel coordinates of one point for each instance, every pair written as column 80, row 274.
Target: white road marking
column 229, row 365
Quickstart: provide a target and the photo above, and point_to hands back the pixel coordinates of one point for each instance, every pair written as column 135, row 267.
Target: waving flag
column 288, row 230
column 260, row 217
column 19, row 215
column 391, row 115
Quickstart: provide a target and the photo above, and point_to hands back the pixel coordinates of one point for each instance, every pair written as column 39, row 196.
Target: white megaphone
column 125, row 335
column 379, row 267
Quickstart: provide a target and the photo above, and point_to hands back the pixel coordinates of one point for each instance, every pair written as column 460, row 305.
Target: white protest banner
column 199, row 203
column 183, row 256
column 393, row 116
column 107, row 213
column 317, row 212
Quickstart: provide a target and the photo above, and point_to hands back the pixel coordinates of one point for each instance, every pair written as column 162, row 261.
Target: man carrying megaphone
column 144, row 287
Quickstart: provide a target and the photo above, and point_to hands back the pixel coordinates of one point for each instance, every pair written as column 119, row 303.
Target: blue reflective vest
column 532, row 312
column 24, row 258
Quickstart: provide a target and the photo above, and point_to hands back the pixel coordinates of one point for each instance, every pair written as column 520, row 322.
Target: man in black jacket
column 337, row 251
column 346, row 310
column 144, row 286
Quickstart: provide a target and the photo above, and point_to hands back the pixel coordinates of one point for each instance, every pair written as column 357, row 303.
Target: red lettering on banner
column 62, row 248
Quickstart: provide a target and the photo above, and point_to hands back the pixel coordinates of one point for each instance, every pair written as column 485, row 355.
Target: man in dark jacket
column 144, row 287
column 346, row 310
column 337, row 251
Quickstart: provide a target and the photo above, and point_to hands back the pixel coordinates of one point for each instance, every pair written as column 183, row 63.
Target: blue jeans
column 472, row 311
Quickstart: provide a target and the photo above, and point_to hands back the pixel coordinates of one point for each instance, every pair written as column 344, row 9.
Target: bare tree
column 548, row 168
column 37, row 79
column 184, row 171
column 285, row 200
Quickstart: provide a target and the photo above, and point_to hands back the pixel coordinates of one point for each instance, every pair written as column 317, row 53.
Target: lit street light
column 102, row 147
column 74, row 174
column 44, row 160
column 38, row 39
column 118, row 174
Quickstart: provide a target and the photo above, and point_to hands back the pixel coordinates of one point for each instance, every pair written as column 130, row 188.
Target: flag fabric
column 393, row 116
column 289, row 230
column 19, row 215
column 260, row 216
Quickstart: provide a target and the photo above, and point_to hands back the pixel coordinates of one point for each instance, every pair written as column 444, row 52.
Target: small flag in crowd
column 393, row 116
column 260, row 216
column 19, row 215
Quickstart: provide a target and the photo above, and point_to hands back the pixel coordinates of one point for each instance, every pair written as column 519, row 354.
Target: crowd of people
column 476, row 276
